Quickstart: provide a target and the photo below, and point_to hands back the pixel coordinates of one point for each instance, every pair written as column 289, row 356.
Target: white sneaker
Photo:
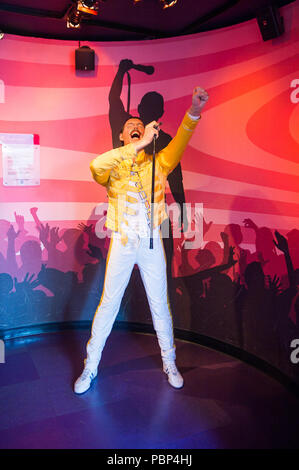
column 83, row 382
column 174, row 377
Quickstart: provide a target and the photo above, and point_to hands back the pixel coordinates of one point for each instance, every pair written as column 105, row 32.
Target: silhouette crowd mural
column 241, row 285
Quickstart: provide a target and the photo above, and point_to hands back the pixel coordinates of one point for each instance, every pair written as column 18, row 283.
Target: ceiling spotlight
column 168, row 3
column 74, row 18
column 90, row 7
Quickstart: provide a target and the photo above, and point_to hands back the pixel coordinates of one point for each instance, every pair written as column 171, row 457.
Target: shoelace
column 171, row 368
column 86, row 374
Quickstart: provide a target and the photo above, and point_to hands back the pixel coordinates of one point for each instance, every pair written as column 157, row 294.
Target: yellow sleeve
column 102, row 165
column 170, row 156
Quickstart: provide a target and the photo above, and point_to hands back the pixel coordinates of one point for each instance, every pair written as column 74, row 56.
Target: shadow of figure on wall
column 150, row 108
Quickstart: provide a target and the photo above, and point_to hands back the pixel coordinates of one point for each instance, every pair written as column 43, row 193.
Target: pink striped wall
column 241, row 163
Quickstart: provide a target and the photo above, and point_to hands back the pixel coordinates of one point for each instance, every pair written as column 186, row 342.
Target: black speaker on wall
column 270, row 23
column 84, row 58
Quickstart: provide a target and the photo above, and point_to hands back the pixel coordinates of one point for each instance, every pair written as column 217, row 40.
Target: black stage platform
column 225, row 403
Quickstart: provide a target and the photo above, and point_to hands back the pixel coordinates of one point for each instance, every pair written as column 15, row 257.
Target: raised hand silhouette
column 248, row 223
column 231, row 261
column 44, row 231
column 27, row 285
column 125, row 65
column 12, row 234
column 85, row 228
column 281, row 242
column 54, row 237
column 20, row 220
column 94, row 252
column 274, row 284
column 89, row 230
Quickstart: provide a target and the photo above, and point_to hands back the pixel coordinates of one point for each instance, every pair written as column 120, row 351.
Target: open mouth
column 135, row 135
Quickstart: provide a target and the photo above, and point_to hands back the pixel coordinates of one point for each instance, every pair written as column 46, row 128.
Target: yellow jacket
column 114, row 170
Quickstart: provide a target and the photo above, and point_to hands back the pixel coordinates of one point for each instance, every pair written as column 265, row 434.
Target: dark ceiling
column 120, row 20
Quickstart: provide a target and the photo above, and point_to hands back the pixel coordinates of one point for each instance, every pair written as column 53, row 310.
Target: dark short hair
column 128, row 119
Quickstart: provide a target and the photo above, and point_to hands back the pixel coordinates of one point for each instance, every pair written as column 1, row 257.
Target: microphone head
column 149, row 69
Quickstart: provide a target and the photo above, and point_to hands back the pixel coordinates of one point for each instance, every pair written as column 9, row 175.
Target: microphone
column 157, row 128
column 148, row 69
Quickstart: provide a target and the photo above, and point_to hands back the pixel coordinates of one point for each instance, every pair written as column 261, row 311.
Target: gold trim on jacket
column 114, row 170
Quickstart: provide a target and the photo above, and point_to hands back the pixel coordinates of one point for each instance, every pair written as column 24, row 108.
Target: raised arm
column 12, row 265
column 206, row 273
column 282, row 244
column 171, row 155
column 117, row 112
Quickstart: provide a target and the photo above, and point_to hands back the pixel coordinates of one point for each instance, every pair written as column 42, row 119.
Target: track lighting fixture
column 165, row 3
column 74, row 18
column 84, row 8
column 168, row 3
column 90, row 7
column 81, row 8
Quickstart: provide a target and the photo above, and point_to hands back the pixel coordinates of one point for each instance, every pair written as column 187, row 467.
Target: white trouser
column 119, row 265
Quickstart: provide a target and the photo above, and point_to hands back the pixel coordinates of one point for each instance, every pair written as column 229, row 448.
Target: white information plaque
column 20, row 159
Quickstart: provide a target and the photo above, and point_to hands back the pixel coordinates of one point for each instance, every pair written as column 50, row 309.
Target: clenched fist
column 199, row 100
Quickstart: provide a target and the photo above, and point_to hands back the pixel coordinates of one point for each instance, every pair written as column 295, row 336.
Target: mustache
column 136, row 132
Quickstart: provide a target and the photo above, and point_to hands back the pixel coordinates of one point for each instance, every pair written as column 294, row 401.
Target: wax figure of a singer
column 126, row 172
